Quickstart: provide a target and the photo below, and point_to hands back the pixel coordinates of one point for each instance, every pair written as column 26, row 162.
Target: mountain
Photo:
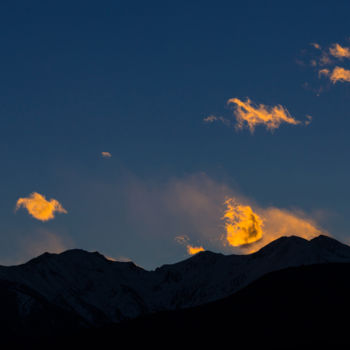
column 77, row 289
column 295, row 308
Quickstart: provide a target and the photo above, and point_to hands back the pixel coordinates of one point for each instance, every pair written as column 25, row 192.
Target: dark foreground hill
column 303, row 307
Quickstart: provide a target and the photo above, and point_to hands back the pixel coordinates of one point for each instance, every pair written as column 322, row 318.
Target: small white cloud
column 106, row 154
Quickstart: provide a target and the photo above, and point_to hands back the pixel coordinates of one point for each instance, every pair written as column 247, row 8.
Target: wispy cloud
column 338, row 74
column 44, row 241
column 339, row 51
column 106, row 154
column 248, row 115
column 191, row 250
column 213, row 118
column 252, row 227
column 326, row 63
column 324, row 72
column 316, row 46
column 213, row 214
column 39, row 207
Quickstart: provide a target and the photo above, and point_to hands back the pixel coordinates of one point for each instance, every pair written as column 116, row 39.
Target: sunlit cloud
column 214, row 215
column 106, row 154
column 251, row 229
column 339, row 51
column 323, row 72
column 248, row 115
column 316, row 46
column 242, row 225
column 325, row 63
column 118, row 259
column 39, row 207
column 281, row 222
column 191, row 250
column 340, row 74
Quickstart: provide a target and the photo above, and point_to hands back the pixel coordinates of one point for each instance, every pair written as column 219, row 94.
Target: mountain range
column 76, row 290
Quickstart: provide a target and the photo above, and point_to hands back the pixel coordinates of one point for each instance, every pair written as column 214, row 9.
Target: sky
column 143, row 129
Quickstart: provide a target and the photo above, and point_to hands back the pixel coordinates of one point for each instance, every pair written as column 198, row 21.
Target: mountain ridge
column 99, row 291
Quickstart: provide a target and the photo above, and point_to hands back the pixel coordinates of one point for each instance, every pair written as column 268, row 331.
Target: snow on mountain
column 100, row 291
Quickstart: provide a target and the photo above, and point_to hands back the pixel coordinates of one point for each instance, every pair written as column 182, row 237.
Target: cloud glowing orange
column 339, row 51
column 194, row 250
column 242, row 225
column 250, row 115
column 340, row 74
column 191, row 250
column 316, row 46
column 39, row 207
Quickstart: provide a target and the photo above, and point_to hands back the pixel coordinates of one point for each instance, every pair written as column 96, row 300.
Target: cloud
column 191, row 250
column 242, row 225
column 213, row 118
column 213, row 214
column 44, row 241
column 118, row 259
column 249, row 115
column 308, row 120
column 324, row 60
column 316, row 46
column 282, row 222
column 106, row 154
column 324, row 72
column 340, row 74
column 40, row 208
column 325, row 63
column 194, row 250
column 339, row 51
column 252, row 228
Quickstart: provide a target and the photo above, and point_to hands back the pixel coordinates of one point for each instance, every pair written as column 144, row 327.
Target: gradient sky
column 136, row 79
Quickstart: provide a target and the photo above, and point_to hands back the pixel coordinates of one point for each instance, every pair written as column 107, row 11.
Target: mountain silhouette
column 65, row 293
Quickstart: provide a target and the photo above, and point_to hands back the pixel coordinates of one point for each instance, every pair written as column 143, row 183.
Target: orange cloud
column 242, row 225
column 40, row 208
column 316, row 46
column 196, row 205
column 339, row 51
column 324, row 71
column 250, row 115
column 191, row 250
column 194, row 250
column 327, row 66
column 282, row 222
column 106, row 154
column 251, row 229
column 340, row 74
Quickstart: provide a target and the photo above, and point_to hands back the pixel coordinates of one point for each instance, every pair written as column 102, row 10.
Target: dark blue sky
column 136, row 79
